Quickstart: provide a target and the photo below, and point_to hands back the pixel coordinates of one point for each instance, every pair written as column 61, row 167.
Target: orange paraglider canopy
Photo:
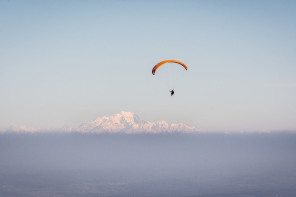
column 167, row 61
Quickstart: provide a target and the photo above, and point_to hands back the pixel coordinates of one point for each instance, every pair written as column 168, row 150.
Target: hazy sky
column 67, row 62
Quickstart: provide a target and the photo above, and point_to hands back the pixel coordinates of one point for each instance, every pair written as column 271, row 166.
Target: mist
column 208, row 165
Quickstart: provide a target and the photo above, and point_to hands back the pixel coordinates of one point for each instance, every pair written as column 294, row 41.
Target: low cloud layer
column 167, row 165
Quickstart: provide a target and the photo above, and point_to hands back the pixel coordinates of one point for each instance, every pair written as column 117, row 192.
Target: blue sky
column 67, row 62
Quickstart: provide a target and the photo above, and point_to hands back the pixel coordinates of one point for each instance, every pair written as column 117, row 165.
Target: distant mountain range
column 128, row 122
column 21, row 129
column 123, row 122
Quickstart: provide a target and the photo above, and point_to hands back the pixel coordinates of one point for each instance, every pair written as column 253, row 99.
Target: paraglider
column 167, row 61
column 164, row 62
column 172, row 92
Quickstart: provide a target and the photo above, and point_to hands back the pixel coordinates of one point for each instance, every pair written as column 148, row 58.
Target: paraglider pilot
column 172, row 92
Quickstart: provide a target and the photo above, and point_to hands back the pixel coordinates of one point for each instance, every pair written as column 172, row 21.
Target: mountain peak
column 128, row 116
column 126, row 113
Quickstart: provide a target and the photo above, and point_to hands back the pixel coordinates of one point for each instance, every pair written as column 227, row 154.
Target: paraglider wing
column 167, row 61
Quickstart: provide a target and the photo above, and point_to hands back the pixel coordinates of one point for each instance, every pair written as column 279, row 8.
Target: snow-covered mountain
column 123, row 122
column 21, row 129
column 128, row 122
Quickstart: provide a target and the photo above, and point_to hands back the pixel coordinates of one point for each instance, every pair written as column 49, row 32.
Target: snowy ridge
column 123, row 122
column 21, row 129
column 128, row 122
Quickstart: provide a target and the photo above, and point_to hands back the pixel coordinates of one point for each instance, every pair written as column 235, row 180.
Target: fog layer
column 148, row 165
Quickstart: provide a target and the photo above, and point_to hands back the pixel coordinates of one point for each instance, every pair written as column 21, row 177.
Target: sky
column 67, row 62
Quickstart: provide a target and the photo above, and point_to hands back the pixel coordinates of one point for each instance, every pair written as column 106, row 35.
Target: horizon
column 121, row 116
